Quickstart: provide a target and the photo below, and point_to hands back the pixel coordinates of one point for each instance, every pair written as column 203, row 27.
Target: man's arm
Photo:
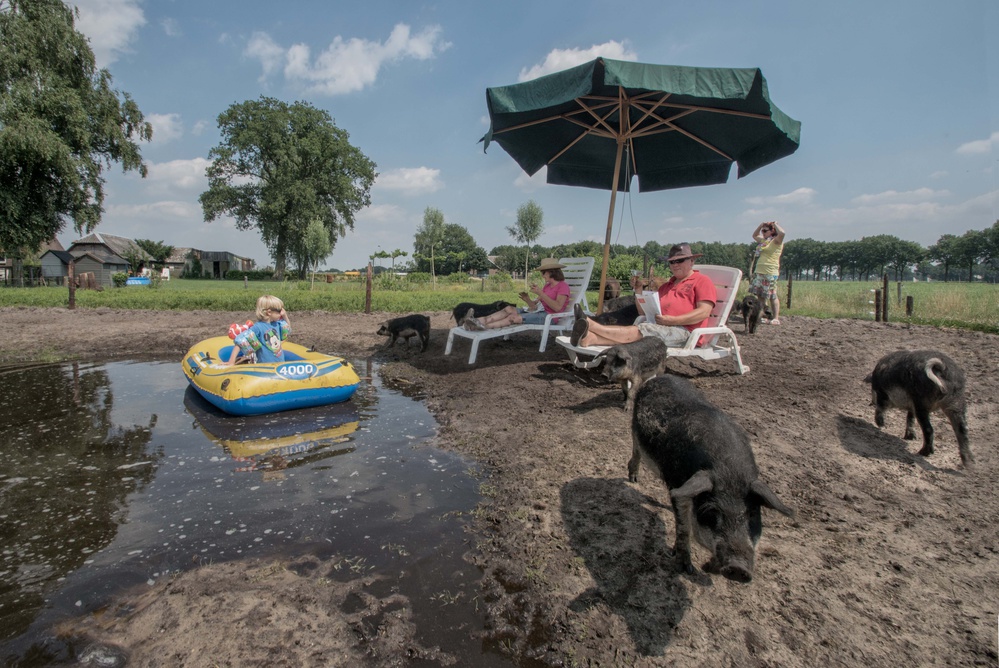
column 700, row 312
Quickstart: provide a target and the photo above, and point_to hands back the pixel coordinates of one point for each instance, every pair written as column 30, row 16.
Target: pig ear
column 698, row 483
column 768, row 498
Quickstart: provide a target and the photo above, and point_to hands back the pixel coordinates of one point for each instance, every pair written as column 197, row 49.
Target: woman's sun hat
column 550, row 263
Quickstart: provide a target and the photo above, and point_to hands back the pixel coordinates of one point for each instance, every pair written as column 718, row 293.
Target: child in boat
column 263, row 338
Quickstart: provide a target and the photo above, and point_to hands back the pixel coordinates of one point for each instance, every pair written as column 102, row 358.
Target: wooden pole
column 610, row 222
column 877, row 306
column 884, row 298
column 790, row 283
column 71, row 279
column 899, row 286
column 367, row 295
column 908, row 306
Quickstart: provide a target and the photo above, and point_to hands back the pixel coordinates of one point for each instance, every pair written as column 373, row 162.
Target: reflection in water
column 116, row 476
column 294, row 437
column 66, row 471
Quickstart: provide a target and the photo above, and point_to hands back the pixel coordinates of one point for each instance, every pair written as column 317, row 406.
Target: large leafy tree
column 158, row 250
column 457, row 251
column 61, row 125
column 280, row 166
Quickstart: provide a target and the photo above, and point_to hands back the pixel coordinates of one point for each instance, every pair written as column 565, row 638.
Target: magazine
column 648, row 304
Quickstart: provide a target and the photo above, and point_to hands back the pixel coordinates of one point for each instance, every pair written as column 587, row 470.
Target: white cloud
column 411, row 180
column 896, row 197
column 799, row 196
column 111, row 26
column 171, row 27
column 941, row 174
column 199, row 128
column 166, row 127
column 174, row 209
column 979, row 146
column 560, row 59
column 178, row 175
column 346, row 65
column 381, row 213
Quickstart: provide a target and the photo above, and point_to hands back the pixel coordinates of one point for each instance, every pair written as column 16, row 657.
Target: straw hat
column 550, row 263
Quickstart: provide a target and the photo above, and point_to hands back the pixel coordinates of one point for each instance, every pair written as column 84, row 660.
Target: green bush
column 119, row 278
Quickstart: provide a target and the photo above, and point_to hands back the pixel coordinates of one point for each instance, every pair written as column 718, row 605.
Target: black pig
column 752, row 310
column 632, row 364
column 920, row 382
column 707, row 463
column 625, row 315
column 481, row 310
column 407, row 326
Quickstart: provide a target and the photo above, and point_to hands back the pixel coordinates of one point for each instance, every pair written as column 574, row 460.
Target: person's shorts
column 534, row 317
column 764, row 286
column 671, row 336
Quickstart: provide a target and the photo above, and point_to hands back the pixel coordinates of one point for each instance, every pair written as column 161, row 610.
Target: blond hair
column 268, row 303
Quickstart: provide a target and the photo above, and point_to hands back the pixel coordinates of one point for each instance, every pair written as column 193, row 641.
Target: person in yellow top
column 769, row 238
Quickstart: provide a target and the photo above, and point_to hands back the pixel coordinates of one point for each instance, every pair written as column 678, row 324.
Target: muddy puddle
column 115, row 476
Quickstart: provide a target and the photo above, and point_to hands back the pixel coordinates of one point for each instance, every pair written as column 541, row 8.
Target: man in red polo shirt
column 685, row 301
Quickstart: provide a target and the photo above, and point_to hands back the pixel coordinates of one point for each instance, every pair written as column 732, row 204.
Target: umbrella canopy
column 677, row 127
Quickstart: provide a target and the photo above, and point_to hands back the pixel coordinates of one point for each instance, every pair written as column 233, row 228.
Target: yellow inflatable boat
column 304, row 379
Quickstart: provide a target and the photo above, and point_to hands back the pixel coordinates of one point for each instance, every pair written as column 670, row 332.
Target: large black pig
column 479, row 310
column 706, row 461
column 920, row 382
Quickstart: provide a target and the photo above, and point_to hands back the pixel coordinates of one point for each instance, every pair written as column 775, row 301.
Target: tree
column 397, row 253
column 970, row 248
column 944, row 251
column 61, row 126
column 317, row 245
column 429, row 236
column 528, row 228
column 156, row 249
column 280, row 166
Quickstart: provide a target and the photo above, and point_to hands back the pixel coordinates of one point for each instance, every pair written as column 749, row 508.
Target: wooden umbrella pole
column 610, row 222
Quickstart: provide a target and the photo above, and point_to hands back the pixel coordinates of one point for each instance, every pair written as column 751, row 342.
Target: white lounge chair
column 720, row 341
column 577, row 273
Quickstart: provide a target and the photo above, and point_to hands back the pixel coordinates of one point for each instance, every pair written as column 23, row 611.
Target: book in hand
column 648, row 304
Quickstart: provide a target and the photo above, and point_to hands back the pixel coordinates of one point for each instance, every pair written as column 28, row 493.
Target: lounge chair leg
column 450, row 342
column 475, row 351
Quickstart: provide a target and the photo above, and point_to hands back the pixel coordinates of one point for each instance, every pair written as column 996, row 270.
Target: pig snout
column 383, row 331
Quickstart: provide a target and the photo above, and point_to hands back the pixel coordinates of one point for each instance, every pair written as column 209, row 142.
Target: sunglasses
column 672, row 262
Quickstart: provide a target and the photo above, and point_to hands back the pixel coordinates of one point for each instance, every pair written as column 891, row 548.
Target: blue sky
column 898, row 100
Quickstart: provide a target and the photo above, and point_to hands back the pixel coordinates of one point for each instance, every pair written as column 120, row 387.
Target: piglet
column 920, row 382
column 706, row 461
column 631, row 364
column 407, row 326
column 752, row 310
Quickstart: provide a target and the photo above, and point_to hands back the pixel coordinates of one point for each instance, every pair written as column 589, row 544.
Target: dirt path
column 893, row 558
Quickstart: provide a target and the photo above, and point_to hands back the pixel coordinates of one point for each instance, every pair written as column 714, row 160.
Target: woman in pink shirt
column 553, row 296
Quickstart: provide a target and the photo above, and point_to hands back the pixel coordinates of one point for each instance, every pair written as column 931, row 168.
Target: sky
column 898, row 102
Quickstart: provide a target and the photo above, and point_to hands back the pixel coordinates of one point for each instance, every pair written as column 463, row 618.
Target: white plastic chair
column 720, row 341
column 577, row 274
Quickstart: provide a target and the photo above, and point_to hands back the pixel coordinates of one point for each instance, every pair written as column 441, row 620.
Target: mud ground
column 892, row 559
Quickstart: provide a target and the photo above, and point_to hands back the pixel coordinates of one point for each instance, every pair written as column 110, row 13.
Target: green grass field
column 965, row 305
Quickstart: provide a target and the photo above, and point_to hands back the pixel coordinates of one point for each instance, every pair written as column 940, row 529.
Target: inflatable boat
column 304, row 379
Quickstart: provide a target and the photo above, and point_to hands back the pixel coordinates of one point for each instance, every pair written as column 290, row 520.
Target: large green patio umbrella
column 674, row 126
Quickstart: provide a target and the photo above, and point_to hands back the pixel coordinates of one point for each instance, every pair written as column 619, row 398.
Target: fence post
column 899, row 286
column 71, row 279
column 908, row 306
column 877, row 306
column 367, row 292
column 790, row 281
column 884, row 300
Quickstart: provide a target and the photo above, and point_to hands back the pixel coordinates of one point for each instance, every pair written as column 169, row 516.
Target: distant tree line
column 969, row 257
